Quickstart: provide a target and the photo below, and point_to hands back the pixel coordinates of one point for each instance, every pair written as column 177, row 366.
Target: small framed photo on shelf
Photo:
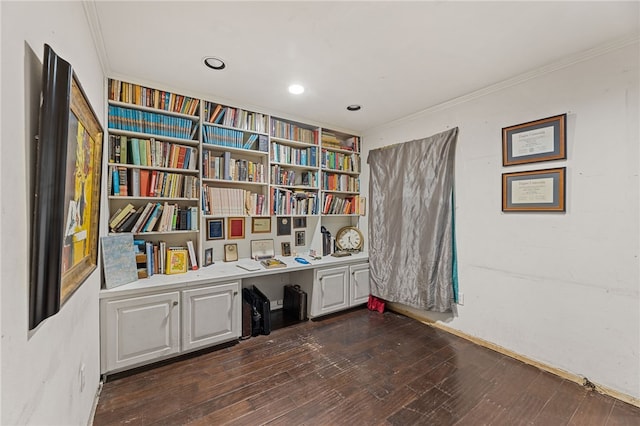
column 534, row 191
column 286, row 249
column 215, row 229
column 299, row 238
column 230, row 252
column 260, row 225
column 235, row 228
column 300, row 222
column 540, row 140
column 208, row 257
column 284, row 226
column 177, row 261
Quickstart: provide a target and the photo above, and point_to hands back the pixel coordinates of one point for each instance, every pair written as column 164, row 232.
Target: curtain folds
column 410, row 227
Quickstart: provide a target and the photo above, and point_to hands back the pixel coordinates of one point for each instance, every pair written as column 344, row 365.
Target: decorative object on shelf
column 215, row 229
column 540, row 140
column 119, row 260
column 208, row 256
column 273, row 263
column 286, row 248
column 262, row 249
column 235, row 228
column 299, row 222
column 349, row 238
column 534, row 191
column 300, row 238
column 230, row 252
column 177, row 261
column 260, row 225
column 64, row 229
column 284, row 226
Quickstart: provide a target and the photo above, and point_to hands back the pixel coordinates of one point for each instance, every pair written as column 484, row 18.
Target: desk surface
column 224, row 271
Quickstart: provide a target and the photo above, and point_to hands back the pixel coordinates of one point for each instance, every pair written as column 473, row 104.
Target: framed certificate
column 260, row 225
column 540, row 140
column 534, row 191
column 230, row 252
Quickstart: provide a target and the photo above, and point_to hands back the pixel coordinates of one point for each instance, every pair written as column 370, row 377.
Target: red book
column 182, row 151
column 144, row 182
column 152, row 183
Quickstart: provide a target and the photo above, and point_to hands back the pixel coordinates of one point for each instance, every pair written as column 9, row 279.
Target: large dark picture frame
column 65, row 224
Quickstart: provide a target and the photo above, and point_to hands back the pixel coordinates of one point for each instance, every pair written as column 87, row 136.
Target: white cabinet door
column 330, row 290
column 140, row 329
column 359, row 284
column 210, row 315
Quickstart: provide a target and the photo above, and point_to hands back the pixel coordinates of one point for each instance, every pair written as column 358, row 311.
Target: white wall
column 41, row 380
column 562, row 289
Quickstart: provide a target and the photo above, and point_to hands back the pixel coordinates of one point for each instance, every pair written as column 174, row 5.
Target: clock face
column 349, row 238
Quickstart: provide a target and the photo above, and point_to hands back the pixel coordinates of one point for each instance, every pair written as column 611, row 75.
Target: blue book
column 116, row 181
column 312, row 157
column 149, row 252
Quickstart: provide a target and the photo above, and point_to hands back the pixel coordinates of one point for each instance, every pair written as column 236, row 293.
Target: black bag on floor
column 249, row 299
column 263, row 306
column 295, row 302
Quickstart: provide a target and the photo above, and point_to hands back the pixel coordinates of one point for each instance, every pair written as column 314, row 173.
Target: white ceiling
column 393, row 58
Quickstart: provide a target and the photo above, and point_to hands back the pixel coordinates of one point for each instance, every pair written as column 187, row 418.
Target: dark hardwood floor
column 354, row 368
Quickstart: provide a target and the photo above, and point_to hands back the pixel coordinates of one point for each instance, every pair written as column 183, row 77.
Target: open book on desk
column 273, row 263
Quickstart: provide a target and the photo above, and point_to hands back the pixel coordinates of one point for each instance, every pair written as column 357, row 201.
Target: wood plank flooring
column 354, row 368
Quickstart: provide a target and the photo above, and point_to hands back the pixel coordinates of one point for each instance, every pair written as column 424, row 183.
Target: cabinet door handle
column 235, row 293
column 175, row 303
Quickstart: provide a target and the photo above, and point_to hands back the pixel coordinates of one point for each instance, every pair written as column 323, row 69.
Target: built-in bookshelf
column 153, row 184
column 340, row 164
column 177, row 163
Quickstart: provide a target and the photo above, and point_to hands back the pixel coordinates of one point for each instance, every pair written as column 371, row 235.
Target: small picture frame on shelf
column 300, row 222
column 284, row 226
column 260, row 225
column 235, row 228
column 286, row 249
column 300, row 238
column 208, row 257
column 215, row 229
column 230, row 252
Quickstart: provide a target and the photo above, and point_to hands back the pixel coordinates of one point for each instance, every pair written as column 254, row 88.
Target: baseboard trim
column 542, row 366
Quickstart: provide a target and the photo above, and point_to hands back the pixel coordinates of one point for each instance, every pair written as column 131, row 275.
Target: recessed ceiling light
column 214, row 63
column 354, row 107
column 296, row 89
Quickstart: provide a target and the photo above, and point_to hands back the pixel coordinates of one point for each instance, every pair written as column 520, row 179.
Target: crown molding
column 91, row 13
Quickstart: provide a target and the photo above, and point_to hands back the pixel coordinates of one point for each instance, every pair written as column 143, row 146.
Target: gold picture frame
column 261, row 225
column 230, row 252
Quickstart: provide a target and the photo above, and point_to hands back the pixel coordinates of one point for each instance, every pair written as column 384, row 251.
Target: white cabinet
column 209, row 315
column 359, row 284
column 139, row 329
column 330, row 290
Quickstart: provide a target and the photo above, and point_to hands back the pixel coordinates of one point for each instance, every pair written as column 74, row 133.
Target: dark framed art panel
column 535, row 141
column 534, row 191
column 65, row 225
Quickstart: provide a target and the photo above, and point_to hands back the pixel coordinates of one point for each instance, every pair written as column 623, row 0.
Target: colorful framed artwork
column 235, row 227
column 177, row 261
column 66, row 202
column 215, row 229
column 540, row 140
column 261, row 225
column 534, row 191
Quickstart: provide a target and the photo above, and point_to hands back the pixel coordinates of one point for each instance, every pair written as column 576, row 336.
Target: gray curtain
column 410, row 228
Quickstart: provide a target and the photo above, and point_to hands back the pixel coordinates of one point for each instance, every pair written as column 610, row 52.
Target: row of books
column 151, row 152
column 340, row 161
column 299, row 156
column 153, row 98
column 154, row 217
column 235, row 117
column 286, row 202
column 134, row 182
column 133, row 120
column 330, row 140
column 340, row 205
column 226, row 168
column 286, row 130
column 338, row 182
column 221, row 136
column 158, row 258
column 232, row 202
column 283, row 176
